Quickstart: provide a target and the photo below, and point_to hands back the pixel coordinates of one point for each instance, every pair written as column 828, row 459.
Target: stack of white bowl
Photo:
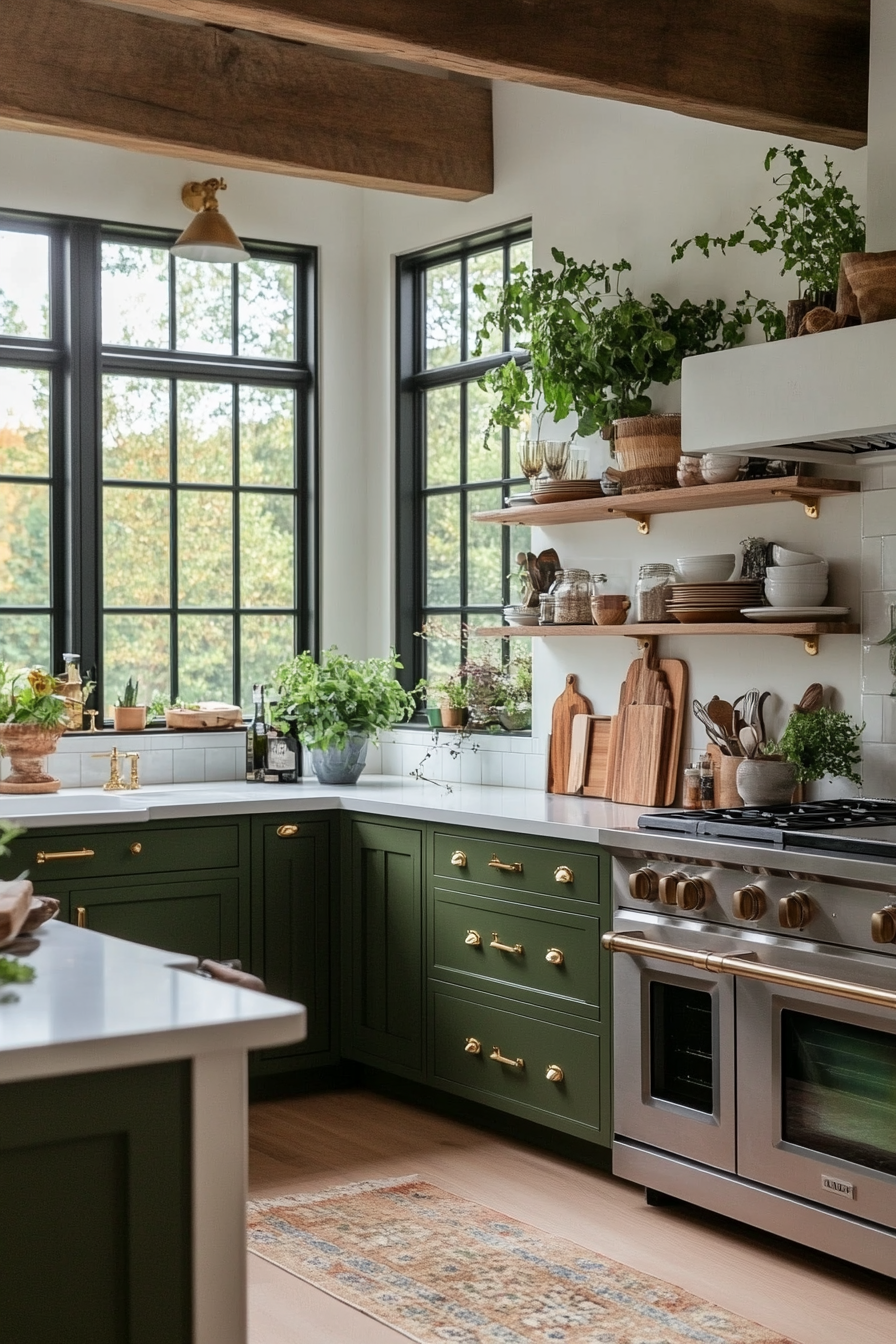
column 797, row 579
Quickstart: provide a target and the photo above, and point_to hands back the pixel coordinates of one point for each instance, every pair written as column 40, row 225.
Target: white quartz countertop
column 101, row 1003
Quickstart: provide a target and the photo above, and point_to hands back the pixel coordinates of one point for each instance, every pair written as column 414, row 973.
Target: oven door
column 673, row 1041
column 817, row 1089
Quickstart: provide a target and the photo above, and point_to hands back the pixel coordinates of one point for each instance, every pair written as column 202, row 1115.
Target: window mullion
column 173, row 541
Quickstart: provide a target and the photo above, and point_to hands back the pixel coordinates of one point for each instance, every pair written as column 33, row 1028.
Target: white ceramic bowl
column 783, row 557
column 797, row 573
column 705, row 568
column 797, row 594
column 718, row 467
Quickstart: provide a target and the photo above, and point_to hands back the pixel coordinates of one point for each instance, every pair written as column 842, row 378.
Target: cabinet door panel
column 200, row 918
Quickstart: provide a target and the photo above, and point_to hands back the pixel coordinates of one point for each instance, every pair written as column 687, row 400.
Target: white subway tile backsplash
column 888, row 721
column 222, row 763
column 871, row 564
column 877, row 679
column 514, row 772
column 491, row 763
column 188, row 766
column 879, row 513
column 876, row 621
column 93, row 771
column 535, row 772
column 521, row 746
column 391, row 754
column 873, row 718
column 873, row 479
column 156, row 767
column 879, row 771
column 888, row 476
column 887, row 562
column 471, row 767
column 66, row 768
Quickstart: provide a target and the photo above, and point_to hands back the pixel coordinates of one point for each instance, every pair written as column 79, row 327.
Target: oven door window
column 681, row 1036
column 839, row 1090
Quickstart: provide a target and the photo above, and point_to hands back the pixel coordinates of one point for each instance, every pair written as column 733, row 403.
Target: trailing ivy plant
column 816, row 220
column 824, row 743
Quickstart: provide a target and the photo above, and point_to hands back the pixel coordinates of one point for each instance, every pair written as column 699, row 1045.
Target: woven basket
column 645, row 479
column 648, row 441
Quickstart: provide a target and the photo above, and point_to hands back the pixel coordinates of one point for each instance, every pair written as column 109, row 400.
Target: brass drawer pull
column 136, row 847
column 473, row 1047
column 473, row 939
column 82, row 916
column 564, row 874
column 48, row 856
column 286, row 831
column 517, row 948
column 554, row 1073
column 554, row 956
column 495, row 862
column 458, row 859
column 502, row 1059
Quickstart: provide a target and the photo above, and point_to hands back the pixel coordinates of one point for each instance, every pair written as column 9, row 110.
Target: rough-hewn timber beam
column 789, row 67
column 240, row 99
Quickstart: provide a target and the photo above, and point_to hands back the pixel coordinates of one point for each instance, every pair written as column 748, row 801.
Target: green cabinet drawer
column 467, row 1035
column 115, row 851
column 527, row 868
column 199, row 917
column 545, row 954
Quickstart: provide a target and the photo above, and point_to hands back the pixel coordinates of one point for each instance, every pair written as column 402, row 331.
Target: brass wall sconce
column 209, row 237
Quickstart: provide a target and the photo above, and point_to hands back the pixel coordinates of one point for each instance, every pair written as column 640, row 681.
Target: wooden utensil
column 722, row 715
column 676, row 674
column 581, row 734
column 566, row 707
column 813, row 696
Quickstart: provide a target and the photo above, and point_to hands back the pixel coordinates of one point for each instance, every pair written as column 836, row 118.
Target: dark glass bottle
column 256, row 742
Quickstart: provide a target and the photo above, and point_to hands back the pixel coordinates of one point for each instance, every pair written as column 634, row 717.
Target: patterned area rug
column 443, row 1270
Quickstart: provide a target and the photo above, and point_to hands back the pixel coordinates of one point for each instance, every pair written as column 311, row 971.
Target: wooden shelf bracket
column 642, row 519
column 811, row 645
column 811, row 503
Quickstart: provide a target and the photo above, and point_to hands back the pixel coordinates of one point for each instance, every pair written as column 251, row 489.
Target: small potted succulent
column 127, row 715
column 32, row 719
column 455, row 701
column 823, row 743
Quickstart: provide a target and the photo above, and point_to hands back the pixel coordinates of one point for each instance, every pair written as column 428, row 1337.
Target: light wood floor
column 311, row 1143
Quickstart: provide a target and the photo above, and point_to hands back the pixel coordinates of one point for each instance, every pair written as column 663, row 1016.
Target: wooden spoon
column 812, row 699
column 722, row 715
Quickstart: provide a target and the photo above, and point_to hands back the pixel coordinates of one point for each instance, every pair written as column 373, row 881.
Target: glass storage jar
column 572, row 598
column 650, row 592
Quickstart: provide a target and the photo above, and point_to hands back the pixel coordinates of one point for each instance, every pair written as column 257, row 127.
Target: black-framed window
column 178, row 404
column 451, row 570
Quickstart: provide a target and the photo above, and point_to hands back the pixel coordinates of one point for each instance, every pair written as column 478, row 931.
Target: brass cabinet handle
column 136, row 847
column 554, row 956
column 48, row 856
column 495, row 862
column 554, row 1073
column 564, row 874
column 502, row 1059
column 458, row 859
column 286, row 831
column 473, row 1047
column 81, row 913
column 517, row 948
column 473, row 939
column 718, row 963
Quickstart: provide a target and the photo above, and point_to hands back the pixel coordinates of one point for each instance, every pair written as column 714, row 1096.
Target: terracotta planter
column 453, row 718
column 26, row 745
column 129, row 718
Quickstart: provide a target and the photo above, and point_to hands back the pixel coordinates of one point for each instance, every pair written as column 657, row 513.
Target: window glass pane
column 205, row 658
column 265, row 642
column 267, row 551
column 485, row 568
column 485, row 650
column 136, row 547
column 136, row 412
column 205, row 432
column 137, row 646
column 24, row 422
column 205, row 548
column 443, row 315
column 267, row 436
column 483, row 464
column 135, row 295
column 443, row 649
column 204, row 302
column 443, row 550
column 487, row 269
column 25, row 639
column 267, row 304
column 443, row 436
column 24, row 545
column 24, row 284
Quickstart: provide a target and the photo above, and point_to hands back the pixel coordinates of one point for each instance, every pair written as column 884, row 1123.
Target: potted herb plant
column 32, row 719
column 336, row 704
column 127, row 715
column 515, row 705
column 455, row 701
column 816, row 221
column 817, row 745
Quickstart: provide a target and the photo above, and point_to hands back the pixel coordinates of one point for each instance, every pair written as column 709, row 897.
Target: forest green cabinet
column 197, row 916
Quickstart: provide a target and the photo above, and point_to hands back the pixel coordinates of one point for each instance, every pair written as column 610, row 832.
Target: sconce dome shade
column 209, row 237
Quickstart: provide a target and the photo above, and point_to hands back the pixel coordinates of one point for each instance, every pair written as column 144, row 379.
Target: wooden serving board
column 588, row 760
column 566, row 707
column 641, row 766
column 676, row 673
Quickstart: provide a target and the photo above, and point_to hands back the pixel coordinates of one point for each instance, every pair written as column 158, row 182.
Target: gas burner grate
column 772, row 824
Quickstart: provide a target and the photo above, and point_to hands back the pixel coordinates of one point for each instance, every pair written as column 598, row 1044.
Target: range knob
column 883, row 925
column 643, row 884
column 795, row 910
column 668, row 887
column 693, row 893
column 748, row 903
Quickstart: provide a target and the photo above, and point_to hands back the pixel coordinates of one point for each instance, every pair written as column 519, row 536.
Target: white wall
column 605, row 180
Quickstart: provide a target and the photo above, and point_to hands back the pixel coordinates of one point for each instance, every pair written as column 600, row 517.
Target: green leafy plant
column 8, row 833
column 816, row 220
column 451, row 691
column 29, row 696
column 128, row 699
column 13, row 972
column 824, row 743
column 159, row 703
column 330, row 699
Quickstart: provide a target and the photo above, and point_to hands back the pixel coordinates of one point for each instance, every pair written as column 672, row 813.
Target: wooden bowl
column 208, row 716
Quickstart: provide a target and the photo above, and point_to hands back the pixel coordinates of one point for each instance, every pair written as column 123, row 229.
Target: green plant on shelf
column 821, row 744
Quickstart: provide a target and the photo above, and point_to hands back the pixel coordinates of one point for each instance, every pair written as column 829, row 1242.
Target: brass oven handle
column 82, row 916
column 458, row 859
column 47, row 856
column 718, row 963
column 495, row 862
column 285, row 832
column 517, row 948
column 502, row 1059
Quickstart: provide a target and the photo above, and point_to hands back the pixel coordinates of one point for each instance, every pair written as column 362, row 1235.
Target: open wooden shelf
column 809, row 632
column 806, row 490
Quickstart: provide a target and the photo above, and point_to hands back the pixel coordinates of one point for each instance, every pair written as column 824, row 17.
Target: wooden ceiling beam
column 787, row 67
column 238, row 99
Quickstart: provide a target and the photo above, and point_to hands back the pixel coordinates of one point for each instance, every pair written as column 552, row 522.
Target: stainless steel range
column 755, row 1018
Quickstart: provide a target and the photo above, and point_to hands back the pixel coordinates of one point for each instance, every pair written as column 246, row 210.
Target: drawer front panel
column 459, row 1025
column 555, row 954
column 138, row 850
column 527, row 869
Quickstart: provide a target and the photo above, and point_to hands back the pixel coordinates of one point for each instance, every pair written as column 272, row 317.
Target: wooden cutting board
column 676, row 673
column 566, row 707
column 15, row 903
column 645, row 684
column 588, row 759
column 640, row 774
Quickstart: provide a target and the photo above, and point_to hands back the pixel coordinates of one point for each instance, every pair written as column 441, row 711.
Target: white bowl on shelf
column 797, row 594
column 792, row 559
column 706, row 568
column 797, row 573
column 719, row 467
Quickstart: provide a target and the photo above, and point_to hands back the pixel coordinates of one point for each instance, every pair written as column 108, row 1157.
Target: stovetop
column 847, row 825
